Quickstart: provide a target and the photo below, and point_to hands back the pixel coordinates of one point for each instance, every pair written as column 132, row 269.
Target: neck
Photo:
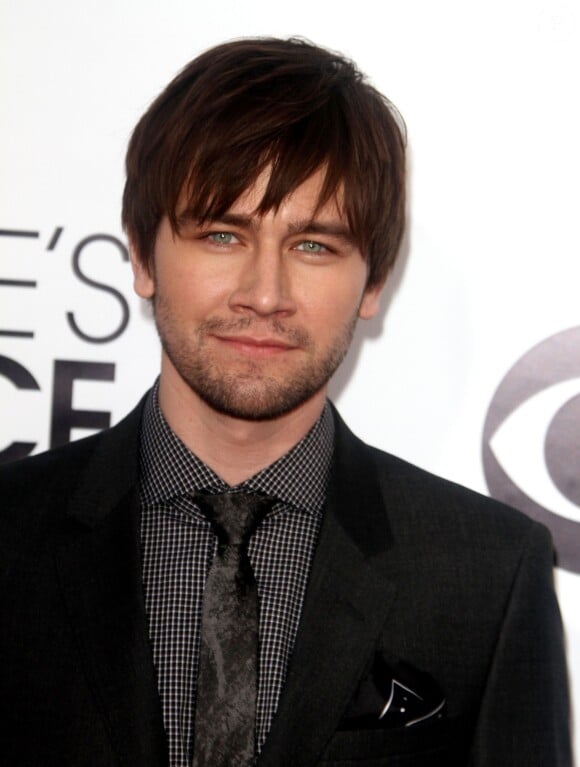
column 232, row 447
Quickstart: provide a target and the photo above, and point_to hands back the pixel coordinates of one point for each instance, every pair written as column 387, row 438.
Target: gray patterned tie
column 227, row 681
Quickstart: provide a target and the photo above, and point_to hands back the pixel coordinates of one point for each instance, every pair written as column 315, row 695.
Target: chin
column 265, row 402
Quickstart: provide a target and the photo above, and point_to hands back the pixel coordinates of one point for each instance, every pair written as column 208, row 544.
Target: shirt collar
column 169, row 469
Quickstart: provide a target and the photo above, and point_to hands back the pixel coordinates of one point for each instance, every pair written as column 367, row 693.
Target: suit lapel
column 98, row 560
column 347, row 601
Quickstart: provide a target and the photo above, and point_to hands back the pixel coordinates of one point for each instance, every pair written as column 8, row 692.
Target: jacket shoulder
column 440, row 509
column 50, row 466
column 42, row 485
column 424, row 510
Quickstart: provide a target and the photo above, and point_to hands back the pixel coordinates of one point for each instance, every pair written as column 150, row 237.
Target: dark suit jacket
column 409, row 568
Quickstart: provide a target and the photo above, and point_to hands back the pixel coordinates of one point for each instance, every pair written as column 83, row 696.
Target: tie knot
column 234, row 516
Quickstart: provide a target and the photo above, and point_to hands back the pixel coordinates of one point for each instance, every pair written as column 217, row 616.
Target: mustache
column 274, row 327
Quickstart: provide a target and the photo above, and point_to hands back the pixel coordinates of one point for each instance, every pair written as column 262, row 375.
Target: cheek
column 192, row 292
column 343, row 297
column 330, row 312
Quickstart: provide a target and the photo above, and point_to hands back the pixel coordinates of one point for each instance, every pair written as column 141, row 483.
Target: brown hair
column 286, row 104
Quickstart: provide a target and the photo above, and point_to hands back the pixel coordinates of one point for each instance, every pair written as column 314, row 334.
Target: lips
column 252, row 346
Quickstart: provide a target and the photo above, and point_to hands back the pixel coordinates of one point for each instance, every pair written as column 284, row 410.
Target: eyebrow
column 302, row 226
column 320, row 227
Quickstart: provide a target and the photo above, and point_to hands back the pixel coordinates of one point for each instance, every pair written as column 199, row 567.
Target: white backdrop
column 490, row 269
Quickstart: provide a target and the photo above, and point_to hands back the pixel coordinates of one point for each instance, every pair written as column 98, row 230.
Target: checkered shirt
column 178, row 546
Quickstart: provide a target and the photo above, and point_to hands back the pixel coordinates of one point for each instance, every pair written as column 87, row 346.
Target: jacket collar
column 111, row 472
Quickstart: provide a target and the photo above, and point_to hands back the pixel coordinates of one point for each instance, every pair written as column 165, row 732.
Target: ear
column 370, row 302
column 143, row 282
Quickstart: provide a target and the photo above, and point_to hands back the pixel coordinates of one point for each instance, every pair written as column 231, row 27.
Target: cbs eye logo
column 531, row 440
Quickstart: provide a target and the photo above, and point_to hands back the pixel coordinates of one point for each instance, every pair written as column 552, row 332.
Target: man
column 402, row 620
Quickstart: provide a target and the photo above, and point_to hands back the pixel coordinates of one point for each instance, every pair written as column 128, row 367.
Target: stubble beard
column 248, row 393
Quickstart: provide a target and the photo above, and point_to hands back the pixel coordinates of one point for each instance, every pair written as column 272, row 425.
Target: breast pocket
column 437, row 744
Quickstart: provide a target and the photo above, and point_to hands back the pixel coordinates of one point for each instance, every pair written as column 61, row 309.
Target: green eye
column 309, row 246
column 222, row 238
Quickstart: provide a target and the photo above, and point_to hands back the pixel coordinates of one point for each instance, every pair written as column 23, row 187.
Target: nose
column 264, row 285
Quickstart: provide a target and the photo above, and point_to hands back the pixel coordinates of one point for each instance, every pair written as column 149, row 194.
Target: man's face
column 255, row 313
